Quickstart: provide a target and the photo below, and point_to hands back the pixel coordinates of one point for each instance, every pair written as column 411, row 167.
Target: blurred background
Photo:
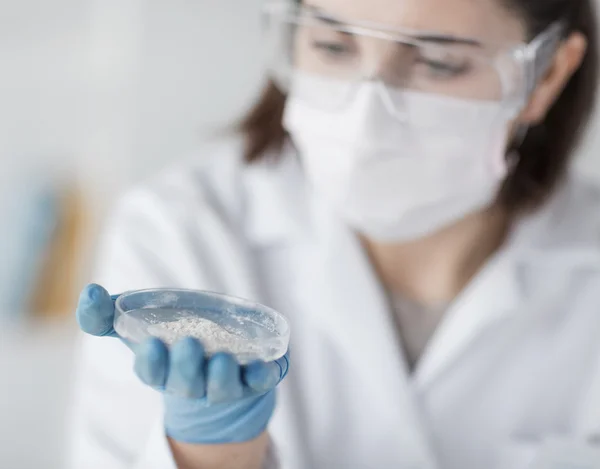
column 95, row 95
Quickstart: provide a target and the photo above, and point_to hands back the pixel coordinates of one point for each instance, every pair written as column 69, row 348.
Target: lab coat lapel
column 357, row 312
column 493, row 295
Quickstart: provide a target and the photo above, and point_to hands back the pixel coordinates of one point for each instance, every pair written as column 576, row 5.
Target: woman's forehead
column 482, row 19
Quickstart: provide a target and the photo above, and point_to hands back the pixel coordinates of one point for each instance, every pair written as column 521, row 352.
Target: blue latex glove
column 209, row 400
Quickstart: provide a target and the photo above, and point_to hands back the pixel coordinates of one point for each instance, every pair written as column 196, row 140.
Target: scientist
column 402, row 193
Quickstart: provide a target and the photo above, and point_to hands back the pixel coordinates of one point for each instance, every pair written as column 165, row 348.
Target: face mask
column 401, row 178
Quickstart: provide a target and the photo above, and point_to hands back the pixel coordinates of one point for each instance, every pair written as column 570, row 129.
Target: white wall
column 169, row 70
column 117, row 88
column 41, row 83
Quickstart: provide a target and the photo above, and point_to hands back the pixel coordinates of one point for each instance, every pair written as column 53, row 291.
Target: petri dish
column 248, row 330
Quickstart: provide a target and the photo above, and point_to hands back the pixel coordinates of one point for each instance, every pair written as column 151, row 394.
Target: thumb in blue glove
column 96, row 311
column 208, row 400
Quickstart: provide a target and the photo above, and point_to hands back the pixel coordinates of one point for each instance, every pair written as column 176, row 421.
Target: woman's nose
column 388, row 62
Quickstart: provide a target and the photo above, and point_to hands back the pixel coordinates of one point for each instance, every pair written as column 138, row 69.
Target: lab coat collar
column 565, row 230
column 493, row 295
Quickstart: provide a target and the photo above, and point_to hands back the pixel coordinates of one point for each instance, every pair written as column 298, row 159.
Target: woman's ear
column 567, row 60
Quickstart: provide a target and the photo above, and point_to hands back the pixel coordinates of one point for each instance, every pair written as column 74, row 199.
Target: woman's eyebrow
column 447, row 39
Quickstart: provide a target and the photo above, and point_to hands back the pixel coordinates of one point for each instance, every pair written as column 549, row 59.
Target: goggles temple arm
column 540, row 52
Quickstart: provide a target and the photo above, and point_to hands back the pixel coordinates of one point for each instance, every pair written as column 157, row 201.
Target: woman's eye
column 441, row 69
column 334, row 49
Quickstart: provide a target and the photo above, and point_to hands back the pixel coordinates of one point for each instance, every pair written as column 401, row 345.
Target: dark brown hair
column 547, row 148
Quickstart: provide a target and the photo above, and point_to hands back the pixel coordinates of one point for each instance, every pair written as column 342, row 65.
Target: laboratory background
column 96, row 95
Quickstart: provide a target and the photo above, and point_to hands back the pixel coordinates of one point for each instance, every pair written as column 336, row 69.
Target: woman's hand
column 207, row 400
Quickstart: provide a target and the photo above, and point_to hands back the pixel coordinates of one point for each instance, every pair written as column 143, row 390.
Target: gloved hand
column 207, row 400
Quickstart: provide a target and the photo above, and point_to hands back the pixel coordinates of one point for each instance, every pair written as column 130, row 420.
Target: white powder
column 212, row 336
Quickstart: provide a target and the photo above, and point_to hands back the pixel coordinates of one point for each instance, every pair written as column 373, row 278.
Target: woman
column 402, row 194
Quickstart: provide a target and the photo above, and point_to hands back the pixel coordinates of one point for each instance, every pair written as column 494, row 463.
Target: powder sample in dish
column 247, row 330
column 213, row 337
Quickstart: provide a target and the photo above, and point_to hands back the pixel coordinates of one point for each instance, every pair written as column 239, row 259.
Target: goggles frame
column 534, row 57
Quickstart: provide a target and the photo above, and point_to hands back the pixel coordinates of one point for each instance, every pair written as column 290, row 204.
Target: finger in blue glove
column 187, row 369
column 152, row 363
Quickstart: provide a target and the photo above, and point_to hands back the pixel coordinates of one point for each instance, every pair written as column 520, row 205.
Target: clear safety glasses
column 308, row 48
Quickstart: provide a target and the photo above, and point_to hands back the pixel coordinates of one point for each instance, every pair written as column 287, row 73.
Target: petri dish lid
column 248, row 330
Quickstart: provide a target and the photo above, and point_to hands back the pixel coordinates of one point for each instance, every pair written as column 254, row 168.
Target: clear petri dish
column 250, row 331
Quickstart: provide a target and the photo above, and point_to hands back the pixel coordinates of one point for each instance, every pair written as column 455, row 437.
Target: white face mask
column 396, row 180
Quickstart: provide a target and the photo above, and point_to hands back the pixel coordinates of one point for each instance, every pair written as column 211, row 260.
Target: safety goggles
column 307, row 43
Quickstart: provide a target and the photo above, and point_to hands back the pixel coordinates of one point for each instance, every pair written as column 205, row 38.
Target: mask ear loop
column 505, row 163
column 511, row 160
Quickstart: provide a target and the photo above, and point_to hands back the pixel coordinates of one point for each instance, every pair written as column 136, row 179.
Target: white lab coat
column 512, row 373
